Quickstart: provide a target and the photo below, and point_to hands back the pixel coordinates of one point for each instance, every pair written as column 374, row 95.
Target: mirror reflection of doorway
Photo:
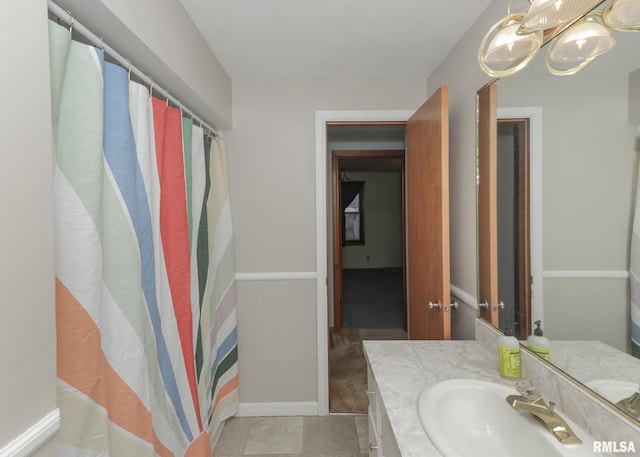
column 513, row 225
column 510, row 195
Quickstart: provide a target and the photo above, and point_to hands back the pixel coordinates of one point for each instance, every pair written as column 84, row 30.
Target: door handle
column 483, row 305
column 437, row 305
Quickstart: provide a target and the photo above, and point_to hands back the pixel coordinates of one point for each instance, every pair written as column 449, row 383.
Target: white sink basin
column 465, row 417
column 613, row 390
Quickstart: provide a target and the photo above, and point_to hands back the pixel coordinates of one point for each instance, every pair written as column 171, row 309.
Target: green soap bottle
column 539, row 343
column 509, row 354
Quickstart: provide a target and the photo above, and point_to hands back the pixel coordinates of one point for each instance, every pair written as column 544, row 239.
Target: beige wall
column 48, row 450
column 634, row 97
column 382, row 222
column 272, row 178
column 27, row 320
column 588, row 177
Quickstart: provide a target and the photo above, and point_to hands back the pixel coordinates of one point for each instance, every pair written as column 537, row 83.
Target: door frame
column 336, row 229
column 323, row 247
column 534, row 114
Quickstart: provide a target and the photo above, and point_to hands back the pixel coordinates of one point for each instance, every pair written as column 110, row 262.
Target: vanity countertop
column 402, row 369
column 593, row 360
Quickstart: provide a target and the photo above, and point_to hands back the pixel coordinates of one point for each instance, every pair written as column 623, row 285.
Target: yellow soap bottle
column 539, row 343
column 509, row 354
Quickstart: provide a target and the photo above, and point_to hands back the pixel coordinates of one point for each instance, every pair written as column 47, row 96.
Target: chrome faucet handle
column 526, row 388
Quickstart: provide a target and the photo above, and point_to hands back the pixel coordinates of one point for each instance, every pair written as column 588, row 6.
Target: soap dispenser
column 539, row 343
column 509, row 354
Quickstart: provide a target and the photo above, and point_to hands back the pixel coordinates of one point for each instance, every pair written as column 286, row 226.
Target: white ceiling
column 331, row 39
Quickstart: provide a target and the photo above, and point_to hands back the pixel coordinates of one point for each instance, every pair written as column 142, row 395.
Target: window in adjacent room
column 352, row 212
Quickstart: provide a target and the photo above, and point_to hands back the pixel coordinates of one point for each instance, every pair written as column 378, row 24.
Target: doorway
column 513, row 225
column 533, row 142
column 368, row 233
column 427, row 169
column 519, row 132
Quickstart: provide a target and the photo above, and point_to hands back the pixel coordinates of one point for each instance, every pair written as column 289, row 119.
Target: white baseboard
column 303, row 408
column 34, row 437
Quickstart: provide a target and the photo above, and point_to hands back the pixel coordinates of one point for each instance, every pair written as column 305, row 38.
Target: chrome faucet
column 631, row 404
column 531, row 401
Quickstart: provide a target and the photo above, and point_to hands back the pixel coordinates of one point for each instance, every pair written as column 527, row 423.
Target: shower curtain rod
column 66, row 16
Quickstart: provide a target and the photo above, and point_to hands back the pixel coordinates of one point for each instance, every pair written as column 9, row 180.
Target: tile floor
column 326, row 436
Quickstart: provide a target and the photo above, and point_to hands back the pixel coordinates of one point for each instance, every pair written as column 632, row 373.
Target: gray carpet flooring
column 372, row 299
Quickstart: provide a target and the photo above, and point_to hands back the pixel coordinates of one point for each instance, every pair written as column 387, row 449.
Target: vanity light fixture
column 548, row 14
column 577, row 33
column 579, row 45
column 622, row 15
column 507, row 51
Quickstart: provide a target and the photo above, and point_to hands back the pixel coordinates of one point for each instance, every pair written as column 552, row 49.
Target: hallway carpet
column 372, row 298
column 348, row 367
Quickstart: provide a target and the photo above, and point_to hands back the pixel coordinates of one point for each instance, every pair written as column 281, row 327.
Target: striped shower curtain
column 145, row 266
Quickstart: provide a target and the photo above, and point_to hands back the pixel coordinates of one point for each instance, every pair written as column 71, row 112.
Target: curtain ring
column 151, row 89
column 130, row 68
column 167, row 101
column 71, row 25
column 102, row 44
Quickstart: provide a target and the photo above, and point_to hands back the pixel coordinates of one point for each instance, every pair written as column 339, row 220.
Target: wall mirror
column 555, row 247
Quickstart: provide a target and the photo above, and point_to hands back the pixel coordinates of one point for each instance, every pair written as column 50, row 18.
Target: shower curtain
column 145, row 266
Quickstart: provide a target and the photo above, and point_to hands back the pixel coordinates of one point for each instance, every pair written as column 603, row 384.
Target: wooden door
column 487, row 205
column 428, row 219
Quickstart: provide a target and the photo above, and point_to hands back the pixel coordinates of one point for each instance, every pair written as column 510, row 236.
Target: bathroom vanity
column 398, row 371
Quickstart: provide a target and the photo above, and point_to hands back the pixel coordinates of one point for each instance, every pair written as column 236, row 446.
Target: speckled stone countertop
column 402, row 369
column 593, row 360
